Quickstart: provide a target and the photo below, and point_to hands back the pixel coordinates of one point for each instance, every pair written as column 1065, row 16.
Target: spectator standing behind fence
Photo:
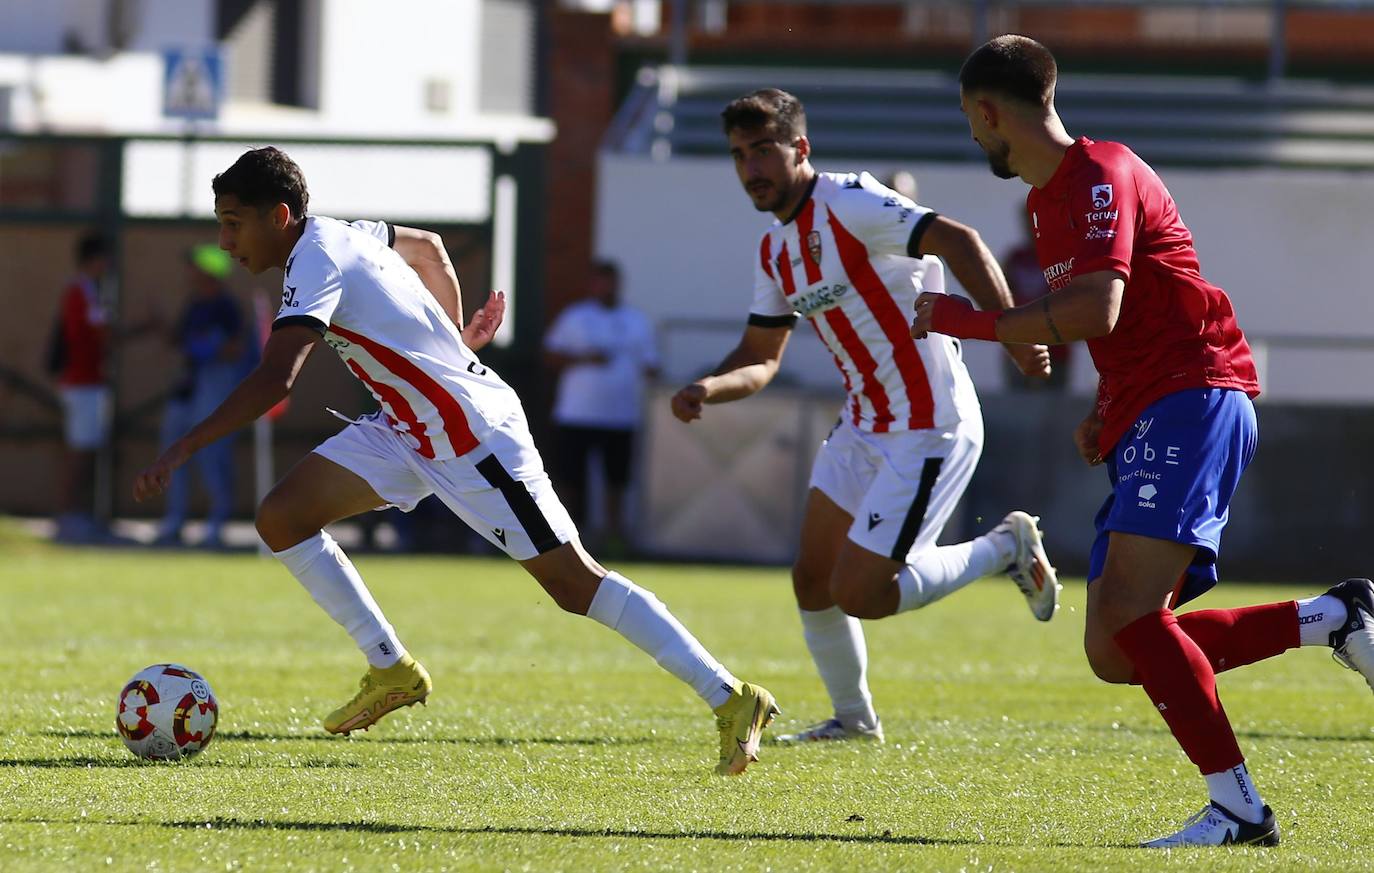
column 1027, row 282
column 603, row 351
column 77, row 358
column 215, row 343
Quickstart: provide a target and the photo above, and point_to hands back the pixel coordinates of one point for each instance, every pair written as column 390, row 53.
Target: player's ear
column 802, row 145
column 280, row 216
column 987, row 110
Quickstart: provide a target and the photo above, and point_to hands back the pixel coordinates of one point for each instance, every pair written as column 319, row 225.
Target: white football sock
column 836, row 642
column 1318, row 618
column 640, row 617
column 325, row 571
column 1235, row 790
column 943, row 570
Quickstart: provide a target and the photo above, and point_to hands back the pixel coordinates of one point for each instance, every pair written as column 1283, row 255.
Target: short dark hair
column 264, row 177
column 1014, row 66
column 92, row 245
column 774, row 110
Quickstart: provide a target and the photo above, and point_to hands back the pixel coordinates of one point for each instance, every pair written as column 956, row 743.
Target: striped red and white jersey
column 846, row 261
column 346, row 281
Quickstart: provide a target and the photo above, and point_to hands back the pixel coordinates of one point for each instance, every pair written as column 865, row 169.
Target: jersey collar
column 801, row 204
column 1072, row 155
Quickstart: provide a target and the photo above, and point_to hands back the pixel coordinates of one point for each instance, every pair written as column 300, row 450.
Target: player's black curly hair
column 264, row 177
column 1013, row 66
column 772, row 109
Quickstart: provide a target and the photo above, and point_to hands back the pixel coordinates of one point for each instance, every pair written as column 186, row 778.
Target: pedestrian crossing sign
column 193, row 83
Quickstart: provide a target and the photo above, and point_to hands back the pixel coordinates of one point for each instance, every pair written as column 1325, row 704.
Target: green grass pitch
column 551, row 744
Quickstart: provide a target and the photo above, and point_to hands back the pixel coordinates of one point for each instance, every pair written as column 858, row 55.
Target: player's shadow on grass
column 377, row 827
column 254, row 736
column 1243, row 734
column 117, row 762
column 381, row 827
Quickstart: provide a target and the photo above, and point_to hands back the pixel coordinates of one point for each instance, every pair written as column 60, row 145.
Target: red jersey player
column 850, row 255
column 1173, row 425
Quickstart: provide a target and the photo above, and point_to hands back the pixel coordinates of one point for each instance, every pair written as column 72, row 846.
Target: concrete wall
column 732, row 486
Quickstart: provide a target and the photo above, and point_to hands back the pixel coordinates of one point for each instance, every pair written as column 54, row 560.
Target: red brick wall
column 581, row 90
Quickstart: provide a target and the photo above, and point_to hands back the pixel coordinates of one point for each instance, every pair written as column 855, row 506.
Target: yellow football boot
column 741, row 721
column 381, row 690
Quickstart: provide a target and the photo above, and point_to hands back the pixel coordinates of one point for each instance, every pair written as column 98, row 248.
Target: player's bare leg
column 580, row 585
column 1128, row 605
column 834, row 638
column 291, row 521
column 860, row 583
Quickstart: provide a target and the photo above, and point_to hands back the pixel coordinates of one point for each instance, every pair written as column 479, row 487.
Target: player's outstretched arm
column 973, row 264
column 970, row 260
column 424, row 251
column 270, row 381
column 1086, row 308
column 746, row 370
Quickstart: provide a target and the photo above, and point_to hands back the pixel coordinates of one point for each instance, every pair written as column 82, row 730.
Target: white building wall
column 370, row 69
column 41, row 26
column 375, row 64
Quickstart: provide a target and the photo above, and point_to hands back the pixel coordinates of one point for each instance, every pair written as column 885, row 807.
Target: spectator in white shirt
column 603, row 352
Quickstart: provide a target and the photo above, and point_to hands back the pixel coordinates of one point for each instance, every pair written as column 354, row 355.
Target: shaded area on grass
column 1240, row 734
column 381, row 827
column 253, row 736
column 86, row 762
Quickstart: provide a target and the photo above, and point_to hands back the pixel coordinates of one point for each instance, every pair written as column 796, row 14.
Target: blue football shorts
column 1173, row 474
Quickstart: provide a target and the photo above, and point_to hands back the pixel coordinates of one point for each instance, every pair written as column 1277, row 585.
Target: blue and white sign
column 192, row 83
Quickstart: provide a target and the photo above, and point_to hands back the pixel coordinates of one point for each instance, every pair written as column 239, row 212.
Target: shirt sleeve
column 380, row 229
column 883, row 220
column 563, row 335
column 648, row 350
column 311, row 291
column 1105, row 204
column 770, row 307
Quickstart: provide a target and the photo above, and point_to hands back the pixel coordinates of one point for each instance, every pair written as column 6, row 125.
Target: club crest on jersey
column 813, row 245
column 1102, row 196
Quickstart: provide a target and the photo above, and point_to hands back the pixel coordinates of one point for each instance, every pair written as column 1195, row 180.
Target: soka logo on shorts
column 1147, row 494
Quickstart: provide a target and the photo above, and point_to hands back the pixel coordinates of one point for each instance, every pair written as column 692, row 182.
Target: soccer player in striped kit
column 1173, row 425
column 386, row 299
column 850, row 256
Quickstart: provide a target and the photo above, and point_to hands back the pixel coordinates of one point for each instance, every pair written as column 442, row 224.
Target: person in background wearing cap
column 213, row 336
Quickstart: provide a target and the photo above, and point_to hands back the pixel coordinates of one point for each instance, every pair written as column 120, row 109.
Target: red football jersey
column 1105, row 209
column 83, row 335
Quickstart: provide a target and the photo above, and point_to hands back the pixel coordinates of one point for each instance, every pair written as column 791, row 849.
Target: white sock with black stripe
column 640, row 617
column 941, row 571
column 322, row 567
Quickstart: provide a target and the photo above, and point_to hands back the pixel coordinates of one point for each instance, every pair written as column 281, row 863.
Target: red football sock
column 1232, row 638
column 1179, row 680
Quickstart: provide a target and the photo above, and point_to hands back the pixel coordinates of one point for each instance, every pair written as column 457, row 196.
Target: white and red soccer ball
column 167, row 712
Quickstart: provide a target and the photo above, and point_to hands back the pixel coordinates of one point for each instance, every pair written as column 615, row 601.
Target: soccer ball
column 167, row 712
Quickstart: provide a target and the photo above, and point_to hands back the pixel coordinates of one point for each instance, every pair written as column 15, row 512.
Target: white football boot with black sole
column 1214, row 825
column 1030, row 568
column 1353, row 644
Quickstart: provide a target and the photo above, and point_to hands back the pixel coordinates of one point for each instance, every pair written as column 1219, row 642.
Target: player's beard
column 772, row 203
column 999, row 160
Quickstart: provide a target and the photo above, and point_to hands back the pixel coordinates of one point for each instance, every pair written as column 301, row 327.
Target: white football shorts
column 86, row 416
column 900, row 487
column 499, row 489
